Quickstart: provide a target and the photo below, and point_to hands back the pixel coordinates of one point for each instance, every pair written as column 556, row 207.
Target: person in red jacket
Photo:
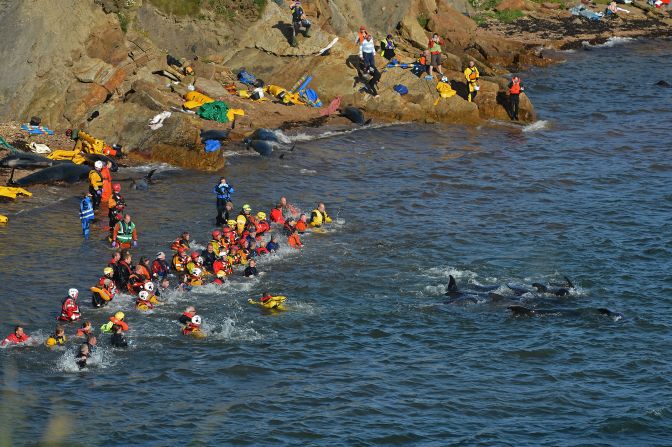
column 276, row 214
column 18, row 336
column 262, row 225
column 187, row 315
column 160, row 268
column 69, row 307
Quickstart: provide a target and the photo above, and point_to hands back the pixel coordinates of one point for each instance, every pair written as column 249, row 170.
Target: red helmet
column 116, row 187
column 182, row 251
column 195, row 255
column 226, row 230
column 216, row 234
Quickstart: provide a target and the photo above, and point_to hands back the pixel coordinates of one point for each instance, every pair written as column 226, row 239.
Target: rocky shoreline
column 106, row 77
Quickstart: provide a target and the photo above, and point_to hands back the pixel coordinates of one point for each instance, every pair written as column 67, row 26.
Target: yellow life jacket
column 215, row 246
column 318, row 218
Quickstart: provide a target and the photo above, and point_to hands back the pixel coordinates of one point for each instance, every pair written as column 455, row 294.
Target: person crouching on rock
column 299, row 20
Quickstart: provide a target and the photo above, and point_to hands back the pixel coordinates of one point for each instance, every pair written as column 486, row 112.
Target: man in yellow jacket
column 96, row 183
column 319, row 216
column 472, row 75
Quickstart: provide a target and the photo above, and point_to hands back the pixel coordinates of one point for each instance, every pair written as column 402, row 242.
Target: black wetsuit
column 208, row 259
column 118, row 341
column 373, row 82
column 250, row 271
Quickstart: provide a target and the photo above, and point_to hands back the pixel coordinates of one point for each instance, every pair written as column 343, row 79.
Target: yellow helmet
column 261, row 215
column 231, row 223
column 247, row 207
column 221, row 274
column 119, row 315
column 51, row 341
column 108, row 271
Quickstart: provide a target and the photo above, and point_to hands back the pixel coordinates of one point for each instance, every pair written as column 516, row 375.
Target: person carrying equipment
column 194, row 325
column 58, row 338
column 180, row 260
column 84, row 330
column 299, row 20
column 471, row 74
column 105, row 290
column 115, row 320
column 221, row 277
column 182, row 241
column 69, row 308
column 187, row 315
column 96, row 183
column 116, row 205
column 515, row 88
column 143, row 301
column 124, row 234
column 319, row 216
column 223, row 191
column 16, row 337
column 86, row 214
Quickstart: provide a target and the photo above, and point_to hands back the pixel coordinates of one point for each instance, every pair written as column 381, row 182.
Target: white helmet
column 197, row 271
column 98, row 165
column 143, row 295
column 200, row 260
column 196, row 319
column 149, row 286
column 73, row 293
column 444, row 78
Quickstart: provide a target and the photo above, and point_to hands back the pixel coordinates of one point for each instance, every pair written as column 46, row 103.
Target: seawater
column 369, row 352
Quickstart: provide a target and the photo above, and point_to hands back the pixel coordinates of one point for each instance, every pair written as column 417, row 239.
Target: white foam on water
column 332, row 133
column 445, row 272
column 308, row 171
column 612, row 41
column 535, row 126
column 229, row 329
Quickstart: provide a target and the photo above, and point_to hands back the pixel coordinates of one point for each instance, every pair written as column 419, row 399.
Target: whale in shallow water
column 142, row 184
column 355, row 115
column 63, row 172
column 523, row 311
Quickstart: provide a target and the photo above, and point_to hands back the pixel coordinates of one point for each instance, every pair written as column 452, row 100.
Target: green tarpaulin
column 214, row 111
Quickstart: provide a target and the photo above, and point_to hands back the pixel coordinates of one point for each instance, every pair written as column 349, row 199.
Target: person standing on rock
column 471, row 74
column 372, row 83
column 434, row 47
column 223, row 191
column 367, row 52
column 299, row 20
column 515, row 88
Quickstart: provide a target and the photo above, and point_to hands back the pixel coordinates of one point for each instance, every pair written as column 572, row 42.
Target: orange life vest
column 515, row 88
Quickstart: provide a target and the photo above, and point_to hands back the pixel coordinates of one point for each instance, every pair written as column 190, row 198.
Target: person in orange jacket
column 276, row 214
column 302, row 223
column 106, row 175
column 294, row 240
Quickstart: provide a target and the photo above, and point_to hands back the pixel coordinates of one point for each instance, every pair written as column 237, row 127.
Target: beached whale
column 266, row 148
column 64, row 172
column 355, row 115
column 27, row 160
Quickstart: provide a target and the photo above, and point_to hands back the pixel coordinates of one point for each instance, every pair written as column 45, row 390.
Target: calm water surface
column 369, row 352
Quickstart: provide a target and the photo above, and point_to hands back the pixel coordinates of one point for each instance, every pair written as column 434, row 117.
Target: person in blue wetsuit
column 86, row 214
column 223, row 191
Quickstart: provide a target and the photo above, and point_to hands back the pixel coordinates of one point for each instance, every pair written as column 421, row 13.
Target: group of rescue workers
column 238, row 244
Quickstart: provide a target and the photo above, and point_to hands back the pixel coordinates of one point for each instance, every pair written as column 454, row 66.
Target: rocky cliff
column 91, row 64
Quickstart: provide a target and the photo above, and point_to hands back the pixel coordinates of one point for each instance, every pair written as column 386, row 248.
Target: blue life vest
column 86, row 209
column 223, row 191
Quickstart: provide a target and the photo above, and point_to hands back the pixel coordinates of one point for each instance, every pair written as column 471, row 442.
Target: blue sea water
column 371, row 351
